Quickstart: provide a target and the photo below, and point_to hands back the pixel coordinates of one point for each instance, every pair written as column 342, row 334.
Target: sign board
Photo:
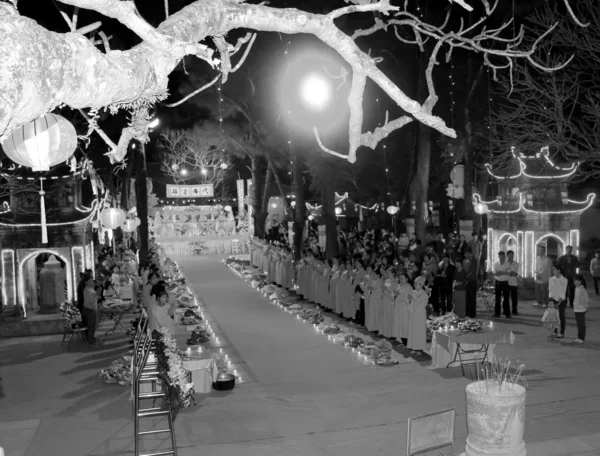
column 430, row 432
column 190, row 191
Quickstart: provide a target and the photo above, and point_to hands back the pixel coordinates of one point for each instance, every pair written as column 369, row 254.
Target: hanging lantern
column 129, row 226
column 138, row 222
column 338, row 210
column 392, row 210
column 41, row 144
column 227, row 208
column 457, row 175
column 481, row 208
column 112, row 217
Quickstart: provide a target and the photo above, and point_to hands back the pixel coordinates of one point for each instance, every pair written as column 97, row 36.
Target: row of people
column 381, row 299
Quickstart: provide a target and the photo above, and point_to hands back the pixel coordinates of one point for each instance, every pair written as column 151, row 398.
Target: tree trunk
column 277, row 181
column 420, row 187
column 258, row 214
column 328, row 213
column 300, row 209
column 141, row 194
column 265, row 193
column 468, row 145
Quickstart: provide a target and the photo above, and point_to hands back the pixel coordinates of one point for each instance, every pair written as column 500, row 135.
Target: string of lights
column 384, row 154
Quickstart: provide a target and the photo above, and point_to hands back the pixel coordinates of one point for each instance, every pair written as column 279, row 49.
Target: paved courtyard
column 301, row 395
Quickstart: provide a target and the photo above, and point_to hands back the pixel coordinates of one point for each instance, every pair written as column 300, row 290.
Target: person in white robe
column 417, row 335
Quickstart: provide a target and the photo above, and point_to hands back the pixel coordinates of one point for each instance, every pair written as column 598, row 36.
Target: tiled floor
column 298, row 399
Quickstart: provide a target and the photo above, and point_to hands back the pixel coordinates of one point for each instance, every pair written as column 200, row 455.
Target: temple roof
column 81, row 214
column 523, row 205
column 538, row 166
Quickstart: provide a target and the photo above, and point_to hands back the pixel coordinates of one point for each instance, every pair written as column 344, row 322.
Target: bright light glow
column 481, row 208
column 519, row 253
column 529, row 255
column 311, row 217
column 392, row 210
column 204, row 171
column 184, row 172
column 154, row 123
column 490, row 243
column 338, row 210
column 223, row 165
column 316, row 91
column 574, row 241
column 9, row 296
column 293, row 203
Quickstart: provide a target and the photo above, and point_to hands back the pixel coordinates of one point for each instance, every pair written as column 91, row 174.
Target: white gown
column 417, row 334
column 401, row 314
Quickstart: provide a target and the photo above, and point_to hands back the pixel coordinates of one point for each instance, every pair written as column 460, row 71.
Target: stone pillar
column 52, row 286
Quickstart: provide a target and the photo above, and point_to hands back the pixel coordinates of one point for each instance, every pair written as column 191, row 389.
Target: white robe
column 417, row 334
column 401, row 314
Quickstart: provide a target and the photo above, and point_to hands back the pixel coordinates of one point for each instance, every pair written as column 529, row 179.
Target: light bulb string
column 384, row 150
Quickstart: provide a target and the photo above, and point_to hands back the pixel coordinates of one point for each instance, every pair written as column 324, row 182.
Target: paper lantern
column 41, row 144
column 392, row 210
column 227, row 208
column 112, row 217
column 481, row 208
column 129, row 226
column 338, row 210
column 138, row 222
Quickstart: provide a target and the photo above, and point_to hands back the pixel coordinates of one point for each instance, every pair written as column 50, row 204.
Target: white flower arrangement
column 178, row 375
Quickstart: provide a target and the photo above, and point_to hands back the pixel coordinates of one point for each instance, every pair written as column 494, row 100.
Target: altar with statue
column 200, row 230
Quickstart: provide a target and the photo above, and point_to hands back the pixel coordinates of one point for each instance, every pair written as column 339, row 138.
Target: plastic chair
column 73, row 324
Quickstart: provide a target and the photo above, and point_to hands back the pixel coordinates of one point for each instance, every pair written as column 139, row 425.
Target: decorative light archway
column 508, row 236
column 541, row 240
column 21, row 275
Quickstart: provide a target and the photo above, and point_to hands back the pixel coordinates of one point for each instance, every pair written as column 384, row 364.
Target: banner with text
column 190, row 191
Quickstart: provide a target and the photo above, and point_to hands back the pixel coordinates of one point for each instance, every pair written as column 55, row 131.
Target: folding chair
column 485, row 298
column 73, row 324
column 430, row 432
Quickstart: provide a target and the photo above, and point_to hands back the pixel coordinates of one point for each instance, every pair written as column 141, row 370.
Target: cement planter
column 495, row 420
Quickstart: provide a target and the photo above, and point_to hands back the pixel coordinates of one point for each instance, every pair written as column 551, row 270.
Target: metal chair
column 73, row 324
column 485, row 297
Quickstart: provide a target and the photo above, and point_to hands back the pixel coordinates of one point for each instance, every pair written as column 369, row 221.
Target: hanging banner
column 190, row 191
column 240, row 196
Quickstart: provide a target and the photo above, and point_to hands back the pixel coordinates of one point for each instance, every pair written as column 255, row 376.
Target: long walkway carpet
column 305, row 387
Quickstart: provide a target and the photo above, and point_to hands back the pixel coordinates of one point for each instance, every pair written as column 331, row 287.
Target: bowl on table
column 224, row 382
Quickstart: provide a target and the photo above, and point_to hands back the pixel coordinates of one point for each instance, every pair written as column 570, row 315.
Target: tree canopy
column 43, row 69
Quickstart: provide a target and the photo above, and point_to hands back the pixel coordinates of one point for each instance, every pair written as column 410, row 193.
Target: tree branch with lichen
column 42, row 69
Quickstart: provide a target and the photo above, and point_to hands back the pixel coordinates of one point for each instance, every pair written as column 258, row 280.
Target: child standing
column 551, row 320
column 580, row 307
